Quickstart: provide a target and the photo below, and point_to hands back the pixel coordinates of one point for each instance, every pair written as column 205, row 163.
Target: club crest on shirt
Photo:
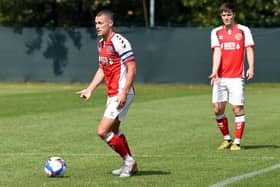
column 110, row 49
column 238, row 36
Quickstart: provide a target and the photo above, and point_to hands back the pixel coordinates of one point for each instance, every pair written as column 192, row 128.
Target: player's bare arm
column 216, row 63
column 131, row 73
column 251, row 61
column 96, row 81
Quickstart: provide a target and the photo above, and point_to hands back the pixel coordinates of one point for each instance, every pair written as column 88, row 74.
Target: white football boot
column 117, row 171
column 128, row 169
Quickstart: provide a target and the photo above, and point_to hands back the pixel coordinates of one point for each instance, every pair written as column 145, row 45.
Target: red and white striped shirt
column 232, row 43
column 114, row 54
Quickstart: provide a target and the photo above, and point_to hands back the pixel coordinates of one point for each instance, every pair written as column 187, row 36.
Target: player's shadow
column 261, row 146
column 152, row 172
column 59, row 177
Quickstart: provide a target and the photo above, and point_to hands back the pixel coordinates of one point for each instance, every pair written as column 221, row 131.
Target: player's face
column 228, row 18
column 103, row 25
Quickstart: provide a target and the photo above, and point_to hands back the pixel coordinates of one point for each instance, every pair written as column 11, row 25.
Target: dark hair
column 228, row 6
column 106, row 12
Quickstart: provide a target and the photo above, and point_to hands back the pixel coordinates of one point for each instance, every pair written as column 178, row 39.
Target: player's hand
column 213, row 78
column 85, row 94
column 121, row 100
column 250, row 74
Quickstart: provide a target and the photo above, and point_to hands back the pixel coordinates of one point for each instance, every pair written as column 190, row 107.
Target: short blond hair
column 107, row 13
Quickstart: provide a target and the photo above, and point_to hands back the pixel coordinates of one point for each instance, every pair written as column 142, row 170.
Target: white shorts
column 228, row 89
column 112, row 112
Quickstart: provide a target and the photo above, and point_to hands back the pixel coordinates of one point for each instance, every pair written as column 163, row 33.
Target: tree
column 45, row 13
column 80, row 13
column 261, row 13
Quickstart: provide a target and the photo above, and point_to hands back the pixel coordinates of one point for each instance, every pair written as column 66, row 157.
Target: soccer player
column 229, row 43
column 117, row 66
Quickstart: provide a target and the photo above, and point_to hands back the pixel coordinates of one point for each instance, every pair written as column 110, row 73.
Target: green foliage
column 73, row 13
column 47, row 13
column 255, row 13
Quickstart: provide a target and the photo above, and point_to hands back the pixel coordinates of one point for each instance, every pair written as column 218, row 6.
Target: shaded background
column 55, row 41
column 165, row 55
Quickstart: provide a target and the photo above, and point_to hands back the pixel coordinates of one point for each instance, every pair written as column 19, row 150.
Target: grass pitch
column 170, row 128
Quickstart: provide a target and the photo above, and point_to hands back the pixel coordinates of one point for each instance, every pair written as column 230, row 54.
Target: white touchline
column 244, row 176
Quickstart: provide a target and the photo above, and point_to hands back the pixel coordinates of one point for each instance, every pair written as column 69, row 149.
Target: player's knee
column 238, row 110
column 218, row 111
column 102, row 133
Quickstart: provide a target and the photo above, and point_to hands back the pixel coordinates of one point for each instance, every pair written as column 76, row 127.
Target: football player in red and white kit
column 229, row 43
column 117, row 67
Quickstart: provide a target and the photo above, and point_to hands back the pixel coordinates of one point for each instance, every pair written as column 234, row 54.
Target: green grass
column 170, row 128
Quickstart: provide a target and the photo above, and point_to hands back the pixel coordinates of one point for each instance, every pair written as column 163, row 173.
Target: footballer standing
column 230, row 42
column 118, row 68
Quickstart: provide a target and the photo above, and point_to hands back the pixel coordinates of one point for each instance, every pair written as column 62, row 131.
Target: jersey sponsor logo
column 104, row 61
column 230, row 46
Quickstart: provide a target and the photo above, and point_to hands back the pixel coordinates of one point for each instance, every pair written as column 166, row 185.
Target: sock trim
column 239, row 119
column 222, row 116
column 109, row 137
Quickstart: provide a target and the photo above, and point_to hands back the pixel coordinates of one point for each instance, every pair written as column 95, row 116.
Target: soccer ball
column 55, row 166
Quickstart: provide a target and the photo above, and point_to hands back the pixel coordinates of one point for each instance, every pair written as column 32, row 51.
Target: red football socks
column 239, row 126
column 122, row 136
column 223, row 125
column 118, row 144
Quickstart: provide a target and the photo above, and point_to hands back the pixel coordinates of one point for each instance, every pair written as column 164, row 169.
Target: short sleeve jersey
column 114, row 54
column 232, row 43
